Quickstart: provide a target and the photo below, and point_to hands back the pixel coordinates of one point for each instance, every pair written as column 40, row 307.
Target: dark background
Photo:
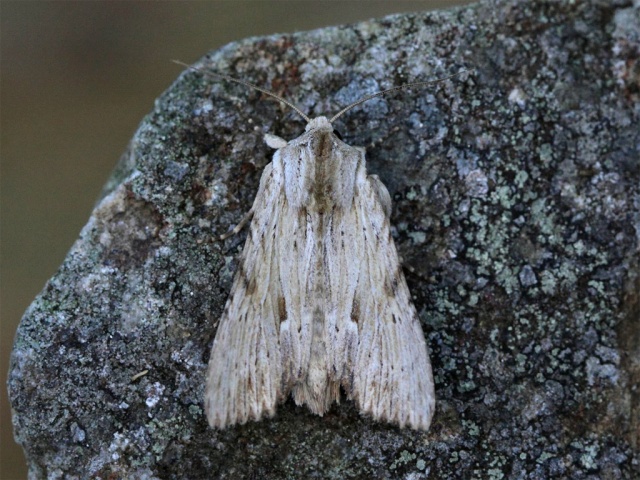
column 76, row 78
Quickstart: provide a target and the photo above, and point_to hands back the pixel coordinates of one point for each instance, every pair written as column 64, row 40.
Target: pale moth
column 319, row 300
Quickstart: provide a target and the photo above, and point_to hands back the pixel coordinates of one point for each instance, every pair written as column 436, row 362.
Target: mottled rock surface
column 516, row 201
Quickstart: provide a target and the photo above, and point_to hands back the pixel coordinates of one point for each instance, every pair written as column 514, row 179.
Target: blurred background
column 76, row 78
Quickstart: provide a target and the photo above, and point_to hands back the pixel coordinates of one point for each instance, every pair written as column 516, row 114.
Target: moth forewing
column 319, row 300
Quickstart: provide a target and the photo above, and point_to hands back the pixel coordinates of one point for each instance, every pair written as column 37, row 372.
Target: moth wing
column 244, row 376
column 391, row 377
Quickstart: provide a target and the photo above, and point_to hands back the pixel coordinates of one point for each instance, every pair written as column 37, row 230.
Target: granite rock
column 516, row 195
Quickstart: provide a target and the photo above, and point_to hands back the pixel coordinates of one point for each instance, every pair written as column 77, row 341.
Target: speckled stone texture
column 516, row 195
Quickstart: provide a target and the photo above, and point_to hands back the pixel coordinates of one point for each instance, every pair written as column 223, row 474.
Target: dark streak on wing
column 282, row 309
column 355, row 312
column 250, row 284
column 302, row 214
column 388, row 286
column 248, row 281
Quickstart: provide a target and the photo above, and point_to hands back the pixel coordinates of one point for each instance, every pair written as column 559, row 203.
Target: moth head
column 319, row 123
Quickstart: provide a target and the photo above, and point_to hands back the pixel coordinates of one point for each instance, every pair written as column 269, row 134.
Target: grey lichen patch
column 516, row 196
column 405, row 458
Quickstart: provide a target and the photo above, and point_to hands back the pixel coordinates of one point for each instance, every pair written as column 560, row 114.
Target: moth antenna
column 228, row 78
column 393, row 89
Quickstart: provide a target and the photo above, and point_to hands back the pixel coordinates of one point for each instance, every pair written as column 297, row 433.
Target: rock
column 516, row 201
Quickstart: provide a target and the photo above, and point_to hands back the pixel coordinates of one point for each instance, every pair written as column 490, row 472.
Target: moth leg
column 239, row 226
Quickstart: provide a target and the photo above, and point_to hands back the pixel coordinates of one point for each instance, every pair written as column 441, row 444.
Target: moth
column 319, row 301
